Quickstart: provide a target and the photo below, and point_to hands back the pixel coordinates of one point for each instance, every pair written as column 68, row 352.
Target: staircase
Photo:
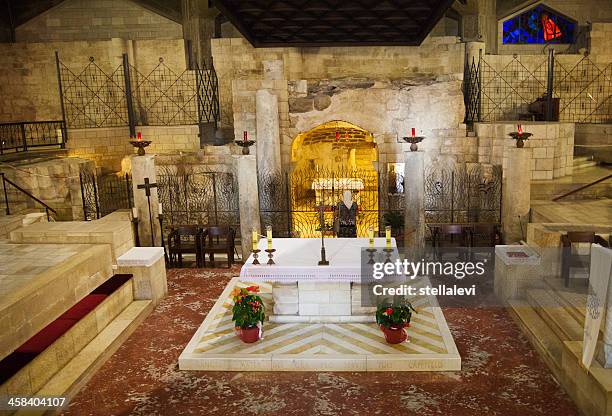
column 552, row 318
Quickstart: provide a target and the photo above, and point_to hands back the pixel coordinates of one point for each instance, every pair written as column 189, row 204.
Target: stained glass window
column 538, row 25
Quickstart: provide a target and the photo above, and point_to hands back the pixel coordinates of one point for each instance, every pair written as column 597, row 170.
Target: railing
column 582, row 187
column 22, row 136
column 6, row 182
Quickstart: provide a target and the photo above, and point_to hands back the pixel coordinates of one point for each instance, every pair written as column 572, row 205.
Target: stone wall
column 552, row 146
column 109, row 146
column 55, row 182
column 97, row 20
column 28, row 73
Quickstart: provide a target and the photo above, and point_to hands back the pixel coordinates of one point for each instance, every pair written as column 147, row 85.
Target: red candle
column 139, row 136
column 520, row 129
column 413, row 132
column 337, row 135
column 245, row 135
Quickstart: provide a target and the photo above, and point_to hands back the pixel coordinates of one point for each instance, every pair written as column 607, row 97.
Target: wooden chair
column 450, row 236
column 186, row 240
column 220, row 240
column 485, row 235
column 572, row 259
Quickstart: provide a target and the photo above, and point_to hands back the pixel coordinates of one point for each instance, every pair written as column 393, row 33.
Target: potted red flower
column 392, row 320
column 249, row 313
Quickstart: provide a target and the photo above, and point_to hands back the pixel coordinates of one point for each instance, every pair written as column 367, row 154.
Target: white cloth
column 337, row 183
column 296, row 260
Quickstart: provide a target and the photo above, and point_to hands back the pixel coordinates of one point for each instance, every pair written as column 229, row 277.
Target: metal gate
column 198, row 198
column 103, row 194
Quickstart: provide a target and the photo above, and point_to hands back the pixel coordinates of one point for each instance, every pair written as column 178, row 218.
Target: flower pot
column 394, row 335
column 248, row 335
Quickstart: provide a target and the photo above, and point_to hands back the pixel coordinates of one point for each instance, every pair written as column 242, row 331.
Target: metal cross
column 147, row 186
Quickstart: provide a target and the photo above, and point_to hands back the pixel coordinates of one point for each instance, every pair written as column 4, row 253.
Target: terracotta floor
column 502, row 374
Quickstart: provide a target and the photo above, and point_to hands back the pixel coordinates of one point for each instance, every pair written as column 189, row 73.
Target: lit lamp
column 269, row 250
column 413, row 139
column 245, row 143
column 520, row 136
column 140, row 144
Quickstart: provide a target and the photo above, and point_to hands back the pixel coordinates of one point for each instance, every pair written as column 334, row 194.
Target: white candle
column 135, row 212
column 161, row 209
column 269, row 236
column 255, row 239
column 371, row 236
column 388, row 236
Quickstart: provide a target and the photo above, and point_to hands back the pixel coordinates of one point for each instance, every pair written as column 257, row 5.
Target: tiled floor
column 501, row 375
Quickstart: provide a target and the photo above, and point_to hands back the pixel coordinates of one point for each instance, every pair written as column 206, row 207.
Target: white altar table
column 303, row 291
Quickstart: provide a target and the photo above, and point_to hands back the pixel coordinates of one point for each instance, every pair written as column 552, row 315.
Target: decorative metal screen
column 104, row 194
column 163, row 97
column 463, row 194
column 198, row 198
column 19, row 137
column 274, row 203
column 585, row 92
column 93, row 97
column 496, row 89
column 507, row 90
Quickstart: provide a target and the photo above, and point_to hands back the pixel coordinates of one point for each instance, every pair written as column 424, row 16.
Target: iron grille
column 104, row 194
column 19, row 137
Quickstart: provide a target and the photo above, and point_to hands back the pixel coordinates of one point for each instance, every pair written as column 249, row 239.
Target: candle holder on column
column 270, row 252
column 413, row 140
column 256, row 256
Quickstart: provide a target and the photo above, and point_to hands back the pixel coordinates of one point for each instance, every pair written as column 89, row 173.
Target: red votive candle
column 139, row 136
column 245, row 135
column 520, row 129
column 413, row 132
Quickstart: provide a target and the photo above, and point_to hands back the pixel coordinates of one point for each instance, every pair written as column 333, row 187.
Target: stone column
column 516, row 194
column 143, row 167
column 268, row 132
column 414, row 192
column 248, row 195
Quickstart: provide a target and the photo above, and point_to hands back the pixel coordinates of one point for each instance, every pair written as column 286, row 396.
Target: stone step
column 581, row 162
column 69, row 380
column 545, row 341
column 549, row 308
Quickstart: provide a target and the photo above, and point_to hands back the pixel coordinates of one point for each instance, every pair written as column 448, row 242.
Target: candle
column 161, row 209
column 245, row 135
column 371, row 236
column 520, row 129
column 135, row 212
column 269, row 236
column 413, row 132
column 388, row 236
column 255, row 239
column 337, row 135
column 139, row 136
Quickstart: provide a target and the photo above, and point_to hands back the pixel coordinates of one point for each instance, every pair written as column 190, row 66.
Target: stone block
column 285, row 308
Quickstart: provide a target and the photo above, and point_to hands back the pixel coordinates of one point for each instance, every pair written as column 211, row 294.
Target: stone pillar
column 516, row 194
column 473, row 52
column 143, row 167
column 248, row 194
column 268, row 133
column 414, row 192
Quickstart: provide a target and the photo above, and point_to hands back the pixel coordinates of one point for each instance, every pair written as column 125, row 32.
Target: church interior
column 306, row 207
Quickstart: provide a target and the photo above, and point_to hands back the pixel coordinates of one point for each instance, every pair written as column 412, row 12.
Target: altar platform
column 319, row 345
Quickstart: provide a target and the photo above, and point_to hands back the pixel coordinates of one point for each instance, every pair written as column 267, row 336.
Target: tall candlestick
column 388, row 236
column 371, row 236
column 269, row 236
column 255, row 239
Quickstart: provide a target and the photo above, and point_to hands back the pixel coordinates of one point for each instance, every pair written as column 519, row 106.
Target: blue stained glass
column 538, row 26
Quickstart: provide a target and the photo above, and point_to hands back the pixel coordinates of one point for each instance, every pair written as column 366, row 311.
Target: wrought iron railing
column 29, row 198
column 19, row 137
column 104, row 194
column 502, row 88
column 127, row 96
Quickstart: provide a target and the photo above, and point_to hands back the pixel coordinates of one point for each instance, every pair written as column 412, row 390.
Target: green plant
column 248, row 310
column 398, row 315
column 393, row 219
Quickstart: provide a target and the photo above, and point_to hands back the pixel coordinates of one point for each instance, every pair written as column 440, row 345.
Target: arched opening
column 328, row 160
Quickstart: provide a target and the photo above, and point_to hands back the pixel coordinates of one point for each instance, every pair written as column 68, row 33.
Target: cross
column 147, row 186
